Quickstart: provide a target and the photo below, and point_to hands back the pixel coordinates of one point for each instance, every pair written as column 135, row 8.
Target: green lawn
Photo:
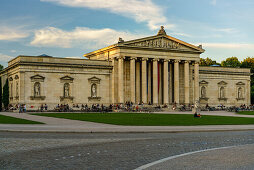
column 13, row 120
column 246, row 113
column 145, row 119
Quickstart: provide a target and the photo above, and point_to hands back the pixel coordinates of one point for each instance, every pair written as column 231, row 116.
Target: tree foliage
column 1, row 94
column 6, row 94
column 207, row 62
column 1, row 67
column 231, row 62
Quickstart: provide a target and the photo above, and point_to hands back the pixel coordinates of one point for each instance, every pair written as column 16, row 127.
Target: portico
column 153, row 70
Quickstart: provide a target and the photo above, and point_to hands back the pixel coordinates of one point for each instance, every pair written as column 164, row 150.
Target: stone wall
column 52, row 81
column 226, row 86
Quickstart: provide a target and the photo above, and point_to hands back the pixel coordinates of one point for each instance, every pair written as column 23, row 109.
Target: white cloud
column 5, row 58
column 80, row 36
column 213, row 2
column 140, row 10
column 228, row 45
column 75, row 57
column 11, row 34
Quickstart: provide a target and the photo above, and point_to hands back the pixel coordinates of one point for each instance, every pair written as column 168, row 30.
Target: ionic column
column 196, row 81
column 155, row 81
column 132, row 79
column 149, row 69
column 137, row 81
column 176, row 81
column 171, row 83
column 165, row 82
column 120, row 80
column 144, row 81
column 186, row 82
column 113, row 80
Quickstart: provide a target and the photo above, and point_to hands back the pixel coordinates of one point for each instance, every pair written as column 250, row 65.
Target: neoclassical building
column 153, row 70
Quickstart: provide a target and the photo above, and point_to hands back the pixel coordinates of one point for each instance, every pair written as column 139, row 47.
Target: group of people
column 20, row 107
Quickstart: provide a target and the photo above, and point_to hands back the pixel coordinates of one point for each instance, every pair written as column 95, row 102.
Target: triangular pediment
column 94, row 80
column 37, row 77
column 222, row 83
column 240, row 83
column 164, row 42
column 66, row 78
column 203, row 82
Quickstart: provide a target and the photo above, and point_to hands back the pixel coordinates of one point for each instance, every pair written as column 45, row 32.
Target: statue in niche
column 37, row 89
column 94, row 90
column 240, row 93
column 17, row 89
column 11, row 90
column 222, row 92
column 66, row 90
column 203, row 92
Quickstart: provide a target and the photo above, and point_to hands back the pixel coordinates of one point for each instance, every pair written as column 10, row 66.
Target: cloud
column 5, row 58
column 11, row 34
column 79, row 37
column 213, row 2
column 228, row 45
column 140, row 10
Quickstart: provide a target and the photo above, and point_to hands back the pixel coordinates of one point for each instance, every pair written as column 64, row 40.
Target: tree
column 6, row 94
column 231, row 62
column 1, row 67
column 207, row 62
column 1, row 94
column 249, row 63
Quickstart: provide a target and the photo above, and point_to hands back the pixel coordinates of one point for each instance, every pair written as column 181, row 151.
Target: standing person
column 19, row 107
column 46, row 107
column 41, row 107
column 24, row 108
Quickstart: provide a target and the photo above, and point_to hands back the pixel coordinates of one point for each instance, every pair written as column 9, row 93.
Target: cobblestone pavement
column 233, row 158
column 106, row 150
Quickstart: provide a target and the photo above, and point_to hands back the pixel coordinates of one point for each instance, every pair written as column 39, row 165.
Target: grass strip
column 246, row 112
column 145, row 119
column 12, row 120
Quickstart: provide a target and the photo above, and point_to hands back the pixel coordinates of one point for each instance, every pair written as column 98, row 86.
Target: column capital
column 187, row 61
column 133, row 58
column 120, row 57
column 144, row 59
column 177, row 61
column 166, row 60
column 196, row 62
column 155, row 59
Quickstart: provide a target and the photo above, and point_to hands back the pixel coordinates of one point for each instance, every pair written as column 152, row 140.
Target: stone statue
column 162, row 31
column 37, row 89
column 120, row 40
column 222, row 93
column 240, row 93
column 203, row 92
column 17, row 89
column 94, row 90
column 66, row 90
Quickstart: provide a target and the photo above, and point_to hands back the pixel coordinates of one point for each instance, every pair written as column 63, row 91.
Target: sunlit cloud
column 139, row 10
column 79, row 37
column 228, row 45
column 12, row 34
column 5, row 58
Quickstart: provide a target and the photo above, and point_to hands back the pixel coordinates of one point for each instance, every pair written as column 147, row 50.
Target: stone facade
column 153, row 70
column 40, row 80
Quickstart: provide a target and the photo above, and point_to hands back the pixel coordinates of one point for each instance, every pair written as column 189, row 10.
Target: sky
column 71, row 28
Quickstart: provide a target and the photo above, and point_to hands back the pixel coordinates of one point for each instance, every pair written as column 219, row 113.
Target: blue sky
column 71, row 28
